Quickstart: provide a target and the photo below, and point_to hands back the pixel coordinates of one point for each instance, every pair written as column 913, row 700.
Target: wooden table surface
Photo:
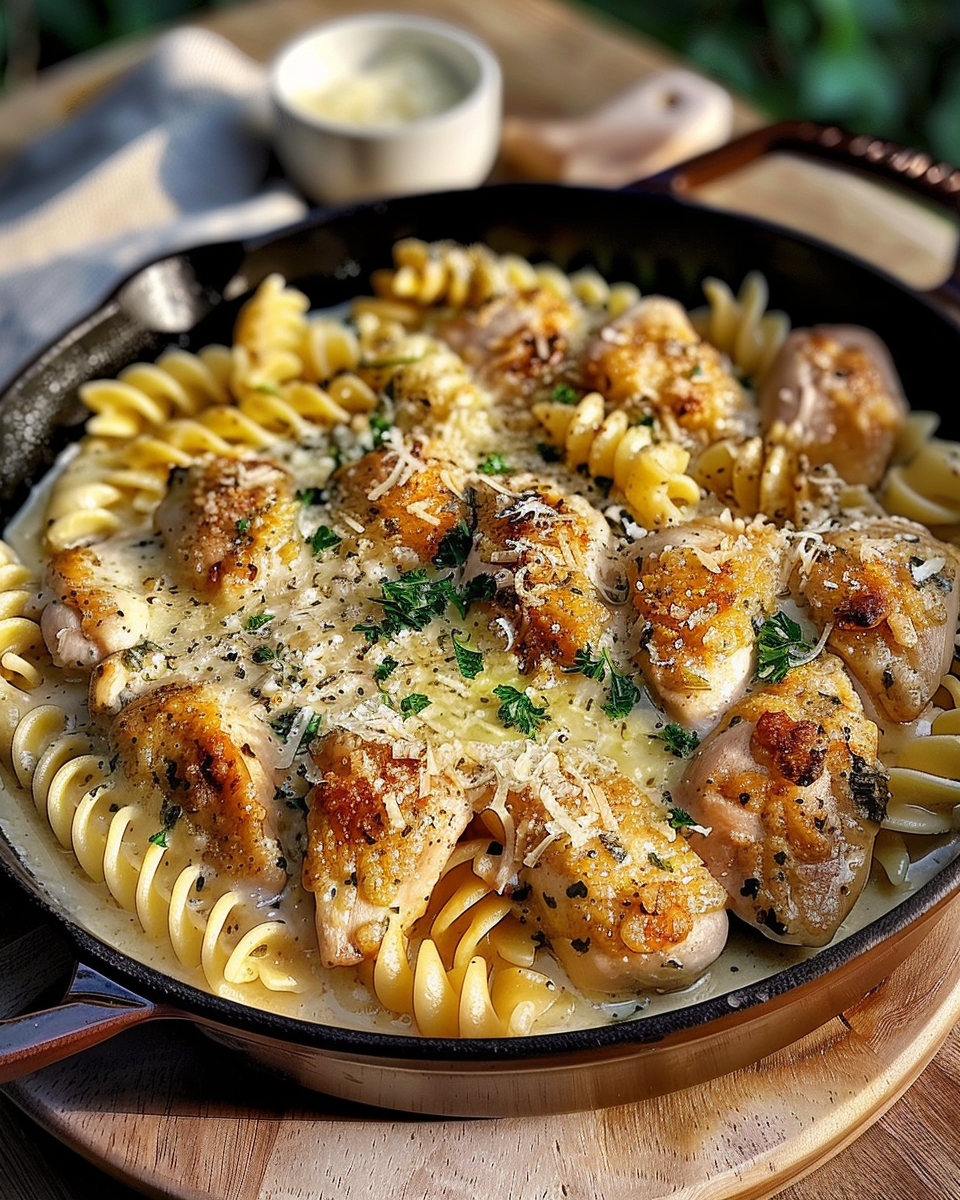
column 559, row 60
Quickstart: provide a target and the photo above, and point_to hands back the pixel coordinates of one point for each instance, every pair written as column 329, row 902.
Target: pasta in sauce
column 460, row 664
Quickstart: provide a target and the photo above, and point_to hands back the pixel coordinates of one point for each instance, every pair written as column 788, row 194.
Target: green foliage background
column 889, row 67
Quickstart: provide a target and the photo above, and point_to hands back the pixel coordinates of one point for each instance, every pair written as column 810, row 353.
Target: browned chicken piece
column 545, row 551
column 793, row 793
column 406, row 500
column 229, row 525
column 380, row 830
column 517, row 344
column 95, row 610
column 700, row 590
column 179, row 743
column 835, row 390
column 650, row 360
column 620, row 897
column 889, row 589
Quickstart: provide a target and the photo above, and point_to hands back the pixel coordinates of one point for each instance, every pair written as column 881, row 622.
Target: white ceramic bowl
column 384, row 104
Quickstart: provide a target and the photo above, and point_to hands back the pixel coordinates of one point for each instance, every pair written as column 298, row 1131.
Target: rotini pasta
column 925, row 488
column 145, row 395
column 467, row 977
column 651, row 478
column 385, row 665
column 21, row 644
column 444, row 273
column 740, row 325
column 73, row 789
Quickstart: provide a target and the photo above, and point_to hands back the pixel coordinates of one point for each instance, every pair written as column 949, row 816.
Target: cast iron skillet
column 648, row 233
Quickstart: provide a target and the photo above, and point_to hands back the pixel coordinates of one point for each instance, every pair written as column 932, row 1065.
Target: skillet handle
column 912, row 170
column 94, row 1009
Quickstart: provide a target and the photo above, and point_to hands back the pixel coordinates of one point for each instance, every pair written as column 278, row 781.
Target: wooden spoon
column 668, row 116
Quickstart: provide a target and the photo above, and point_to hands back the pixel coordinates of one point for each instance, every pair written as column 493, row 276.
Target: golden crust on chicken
column 889, row 593
column 699, row 591
column 380, row 828
column 545, row 552
column 402, row 498
column 602, row 877
column 178, row 743
column 650, row 361
column 518, row 344
column 97, row 607
column 229, row 525
column 793, row 793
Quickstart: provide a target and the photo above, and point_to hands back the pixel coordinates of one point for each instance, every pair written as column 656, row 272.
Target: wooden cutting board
column 166, row 1111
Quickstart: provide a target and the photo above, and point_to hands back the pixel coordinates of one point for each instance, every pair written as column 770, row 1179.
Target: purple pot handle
column 93, row 1009
column 912, row 170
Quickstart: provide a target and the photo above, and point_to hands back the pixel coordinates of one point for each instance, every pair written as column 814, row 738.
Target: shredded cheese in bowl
column 399, row 86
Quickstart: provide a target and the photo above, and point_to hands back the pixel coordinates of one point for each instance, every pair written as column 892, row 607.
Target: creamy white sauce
column 331, row 672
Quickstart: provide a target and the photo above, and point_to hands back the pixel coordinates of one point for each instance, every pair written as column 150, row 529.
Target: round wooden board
column 173, row 1115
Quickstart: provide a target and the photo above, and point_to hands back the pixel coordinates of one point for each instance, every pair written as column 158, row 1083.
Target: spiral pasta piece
column 651, row 477
column 752, row 476
column 21, row 642
column 74, row 792
column 458, row 277
column 83, row 507
column 329, row 347
column 269, row 337
column 458, row 980
column 740, row 325
column 925, row 780
column 927, row 487
column 145, row 395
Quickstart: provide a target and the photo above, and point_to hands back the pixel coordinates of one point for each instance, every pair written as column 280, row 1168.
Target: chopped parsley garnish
column 494, row 464
column 679, row 818
column 385, row 668
column 679, row 741
column 170, row 814
column 455, row 547
column 549, row 453
column 518, row 711
column 415, row 703
column 284, row 723
column 412, row 600
column 379, row 427
column 243, row 525
column 310, row 495
column 780, row 646
column 563, row 393
column 324, row 538
column 134, row 657
column 480, row 587
column 265, row 654
column 656, row 861
column 257, row 620
column 585, row 664
column 469, row 662
column 622, row 694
